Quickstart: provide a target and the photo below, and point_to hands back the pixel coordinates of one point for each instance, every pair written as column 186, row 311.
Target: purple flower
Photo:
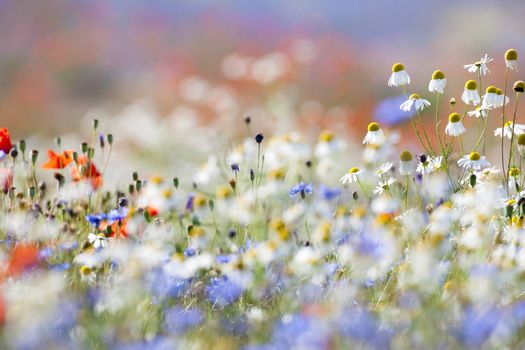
column 478, row 325
column 221, row 291
column 329, row 193
column 178, row 320
column 302, row 189
column 388, row 112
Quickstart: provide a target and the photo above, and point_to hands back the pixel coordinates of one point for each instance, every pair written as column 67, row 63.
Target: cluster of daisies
column 274, row 243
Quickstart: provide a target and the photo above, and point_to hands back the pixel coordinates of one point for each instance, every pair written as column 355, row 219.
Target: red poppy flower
column 86, row 170
column 23, row 257
column 5, row 140
column 58, row 161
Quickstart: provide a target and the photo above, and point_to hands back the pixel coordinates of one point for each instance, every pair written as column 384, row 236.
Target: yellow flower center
column 454, row 117
column 353, row 170
column 405, row 156
column 414, row 97
column 85, row 270
column 373, row 126
column 326, row 136
column 474, row 156
column 492, row 90
column 511, row 55
column 521, row 139
column 224, row 192
column 471, row 85
column 398, row 67
column 438, row 75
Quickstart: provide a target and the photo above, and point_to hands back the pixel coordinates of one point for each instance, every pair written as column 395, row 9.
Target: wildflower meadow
column 278, row 240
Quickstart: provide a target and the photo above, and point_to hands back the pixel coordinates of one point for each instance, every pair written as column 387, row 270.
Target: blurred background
column 287, row 64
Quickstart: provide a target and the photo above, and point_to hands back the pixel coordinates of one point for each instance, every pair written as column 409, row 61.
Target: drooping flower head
column 399, row 76
column 470, row 93
column 414, row 100
column 511, row 59
column 406, row 163
column 455, row 125
column 438, row 82
column 352, row 176
column 375, row 135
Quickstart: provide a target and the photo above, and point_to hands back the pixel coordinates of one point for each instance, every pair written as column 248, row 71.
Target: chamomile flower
column 98, row 241
column 399, row 76
column 385, row 168
column 479, row 112
column 501, row 99
column 481, row 65
column 375, row 135
column 406, row 163
column 414, row 100
column 490, row 99
column 455, row 126
column 511, row 59
column 507, row 130
column 438, row 82
column 328, row 144
column 429, row 164
column 470, row 93
column 384, row 186
column 474, row 161
column 352, row 176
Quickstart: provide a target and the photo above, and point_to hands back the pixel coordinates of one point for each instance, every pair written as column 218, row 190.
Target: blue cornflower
column 178, row 320
column 189, row 202
column 96, row 219
column 302, row 189
column 478, row 325
column 329, row 193
column 117, row 215
column 221, row 291
column 235, row 167
column 388, row 112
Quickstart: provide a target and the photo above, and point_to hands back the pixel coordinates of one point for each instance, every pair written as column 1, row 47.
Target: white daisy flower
column 481, row 65
column 428, row 164
column 98, row 241
column 375, row 135
column 474, row 161
column 328, row 144
column 352, row 176
column 438, row 82
column 501, row 99
column 384, row 186
column 406, row 163
column 470, row 94
column 479, row 112
column 385, row 168
column 490, row 99
column 414, row 99
column 511, row 59
column 507, row 131
column 455, row 126
column 399, row 76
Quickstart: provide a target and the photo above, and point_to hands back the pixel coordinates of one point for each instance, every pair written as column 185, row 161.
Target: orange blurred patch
column 86, row 170
column 23, row 257
column 58, row 161
column 117, row 229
